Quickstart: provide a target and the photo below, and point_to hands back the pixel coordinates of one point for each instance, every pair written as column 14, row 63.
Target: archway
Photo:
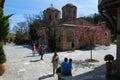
column 110, row 9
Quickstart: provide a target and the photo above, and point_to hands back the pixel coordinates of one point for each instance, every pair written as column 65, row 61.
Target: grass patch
column 92, row 60
column 113, row 42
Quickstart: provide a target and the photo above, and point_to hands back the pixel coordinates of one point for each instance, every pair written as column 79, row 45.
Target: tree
column 31, row 18
column 4, row 29
column 32, row 26
column 33, row 33
column 95, row 18
column 87, row 36
column 51, row 36
column 21, row 26
column 18, row 36
column 91, row 38
column 2, row 3
column 91, row 35
column 21, row 31
column 40, row 16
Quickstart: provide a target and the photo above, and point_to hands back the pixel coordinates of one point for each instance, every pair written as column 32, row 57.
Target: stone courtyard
column 21, row 65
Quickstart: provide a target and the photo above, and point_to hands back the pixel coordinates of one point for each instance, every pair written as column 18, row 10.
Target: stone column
column 118, row 35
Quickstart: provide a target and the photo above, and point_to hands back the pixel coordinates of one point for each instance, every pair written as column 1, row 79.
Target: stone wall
column 80, row 35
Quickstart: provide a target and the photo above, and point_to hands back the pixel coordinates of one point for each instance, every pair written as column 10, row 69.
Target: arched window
column 70, row 36
column 50, row 17
column 74, row 13
column 56, row 16
column 63, row 15
column 106, row 35
column 81, row 22
column 69, row 14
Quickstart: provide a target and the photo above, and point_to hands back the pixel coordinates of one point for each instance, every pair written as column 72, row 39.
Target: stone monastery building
column 70, row 29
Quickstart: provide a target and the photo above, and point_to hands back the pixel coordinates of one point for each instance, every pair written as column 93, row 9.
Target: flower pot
column 2, row 68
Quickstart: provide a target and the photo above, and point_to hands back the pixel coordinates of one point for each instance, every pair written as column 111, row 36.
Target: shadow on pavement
column 97, row 73
column 70, row 51
column 35, row 60
column 27, row 46
column 115, row 76
column 31, row 55
column 46, row 76
column 83, row 64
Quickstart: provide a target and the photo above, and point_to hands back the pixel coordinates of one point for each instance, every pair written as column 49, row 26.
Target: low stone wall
column 113, row 68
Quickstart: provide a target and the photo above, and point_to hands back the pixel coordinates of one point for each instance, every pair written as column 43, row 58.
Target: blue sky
column 20, row 8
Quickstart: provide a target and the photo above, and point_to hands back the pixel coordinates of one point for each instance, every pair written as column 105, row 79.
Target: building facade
column 70, row 29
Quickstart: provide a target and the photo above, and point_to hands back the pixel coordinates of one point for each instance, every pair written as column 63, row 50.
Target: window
column 70, row 36
column 50, row 17
column 56, row 16
column 63, row 14
column 81, row 22
column 106, row 34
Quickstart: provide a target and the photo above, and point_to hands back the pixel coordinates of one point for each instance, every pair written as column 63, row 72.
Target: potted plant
column 2, row 60
column 109, row 59
column 4, row 27
column 58, row 70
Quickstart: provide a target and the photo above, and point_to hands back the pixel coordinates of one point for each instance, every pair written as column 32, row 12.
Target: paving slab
column 21, row 65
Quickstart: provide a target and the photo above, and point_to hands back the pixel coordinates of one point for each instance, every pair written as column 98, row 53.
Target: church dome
column 69, row 11
column 51, row 13
column 52, row 8
column 70, row 4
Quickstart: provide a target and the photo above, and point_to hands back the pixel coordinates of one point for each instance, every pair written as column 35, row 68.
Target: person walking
column 55, row 61
column 37, row 47
column 41, row 51
column 33, row 49
column 72, row 45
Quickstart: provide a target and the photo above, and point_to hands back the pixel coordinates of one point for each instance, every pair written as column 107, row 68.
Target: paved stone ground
column 21, row 65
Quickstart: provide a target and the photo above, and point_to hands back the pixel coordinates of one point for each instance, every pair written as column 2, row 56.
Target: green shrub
column 92, row 60
column 4, row 29
column 108, row 58
column 2, row 54
column 58, row 70
column 51, row 37
column 2, row 58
